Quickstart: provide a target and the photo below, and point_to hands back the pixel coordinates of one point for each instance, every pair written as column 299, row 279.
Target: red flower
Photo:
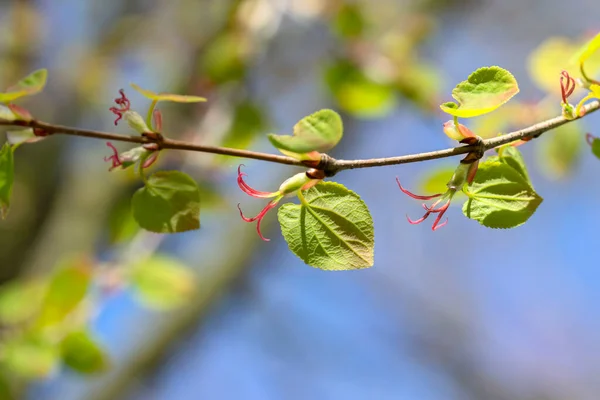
column 116, row 161
column 258, row 194
column 124, row 106
column 567, row 86
column 445, row 199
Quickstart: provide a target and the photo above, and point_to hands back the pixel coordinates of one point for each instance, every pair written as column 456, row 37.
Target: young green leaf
column 31, row 84
column 68, row 286
column 331, row 229
column 177, row 98
column 30, row 357
column 20, row 300
column 596, row 147
column 485, row 90
column 81, row 352
column 358, row 94
column 169, row 203
column 7, row 177
column 512, row 156
column 162, row 282
column 588, row 49
column 500, row 197
column 319, row 132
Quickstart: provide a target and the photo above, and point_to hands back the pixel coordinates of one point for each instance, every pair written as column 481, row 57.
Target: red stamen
column 259, row 217
column 568, row 88
column 441, row 211
column 415, row 196
column 124, row 106
column 251, row 191
column 116, row 161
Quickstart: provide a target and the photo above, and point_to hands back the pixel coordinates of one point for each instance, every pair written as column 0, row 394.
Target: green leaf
column 349, row 22
column 500, row 197
column 559, row 152
column 225, row 57
column 162, row 282
column 30, row 357
column 596, row 147
column 248, row 121
column 31, row 84
column 320, row 131
column 512, row 156
column 20, row 301
column 177, row 98
column 588, row 49
column 68, row 286
column 169, row 203
column 81, row 352
column 7, row 177
column 553, row 56
column 485, row 90
column 331, row 229
column 359, row 94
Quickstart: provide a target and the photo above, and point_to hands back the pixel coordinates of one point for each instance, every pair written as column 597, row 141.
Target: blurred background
column 462, row 313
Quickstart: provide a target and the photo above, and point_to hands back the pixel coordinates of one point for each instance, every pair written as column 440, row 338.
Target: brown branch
column 328, row 164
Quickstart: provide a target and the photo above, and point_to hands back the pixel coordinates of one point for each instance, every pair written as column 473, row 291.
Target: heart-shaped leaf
column 485, row 90
column 500, row 197
column 177, row 98
column 169, row 203
column 31, row 84
column 331, row 229
column 318, row 132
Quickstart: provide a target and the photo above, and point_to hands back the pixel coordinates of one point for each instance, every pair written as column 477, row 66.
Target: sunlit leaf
column 177, row 98
column 67, row 288
column 596, row 147
column 31, row 84
column 30, row 357
column 169, row 203
column 162, row 282
column 7, row 177
column 588, row 49
column 122, row 227
column 20, row 300
column 485, row 90
column 331, row 229
column 319, row 132
column 512, row 156
column 500, row 197
column 81, row 352
column 551, row 57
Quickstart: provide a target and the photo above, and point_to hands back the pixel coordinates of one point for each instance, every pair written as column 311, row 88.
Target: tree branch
column 328, row 164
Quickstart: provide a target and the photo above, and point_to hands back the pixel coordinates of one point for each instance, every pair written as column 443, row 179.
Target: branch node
column 477, row 153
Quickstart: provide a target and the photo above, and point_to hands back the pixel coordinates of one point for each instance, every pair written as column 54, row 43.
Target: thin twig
column 329, row 164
